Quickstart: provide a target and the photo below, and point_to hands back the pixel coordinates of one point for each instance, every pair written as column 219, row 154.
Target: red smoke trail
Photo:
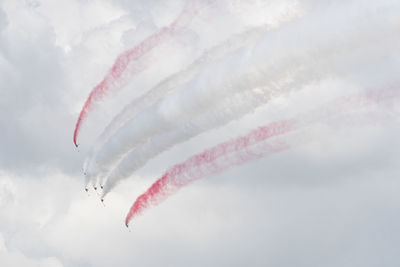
column 238, row 151
column 191, row 169
column 113, row 81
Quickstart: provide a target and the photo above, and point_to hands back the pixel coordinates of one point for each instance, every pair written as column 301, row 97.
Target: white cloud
column 16, row 258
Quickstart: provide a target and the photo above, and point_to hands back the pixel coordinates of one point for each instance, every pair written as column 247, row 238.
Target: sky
column 331, row 199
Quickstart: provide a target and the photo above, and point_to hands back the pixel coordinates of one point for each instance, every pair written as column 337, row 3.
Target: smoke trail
column 176, row 80
column 192, row 169
column 123, row 70
column 287, row 60
column 138, row 157
column 252, row 146
column 230, row 108
column 233, row 43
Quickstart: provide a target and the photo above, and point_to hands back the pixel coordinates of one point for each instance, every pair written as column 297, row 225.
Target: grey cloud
column 34, row 116
column 3, row 18
column 332, row 202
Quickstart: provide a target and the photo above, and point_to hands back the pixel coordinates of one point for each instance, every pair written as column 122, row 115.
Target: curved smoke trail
column 139, row 156
column 204, row 164
column 239, row 40
column 176, row 80
column 250, row 147
column 231, row 108
column 123, row 70
column 285, row 61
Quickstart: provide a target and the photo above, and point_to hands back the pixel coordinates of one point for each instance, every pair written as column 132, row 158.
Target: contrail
column 123, row 70
column 252, row 146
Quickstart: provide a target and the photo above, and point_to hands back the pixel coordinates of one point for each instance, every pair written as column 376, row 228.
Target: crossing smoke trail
column 299, row 63
column 251, row 147
column 123, row 70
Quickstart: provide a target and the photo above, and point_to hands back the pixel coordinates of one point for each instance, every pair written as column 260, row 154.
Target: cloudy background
column 330, row 202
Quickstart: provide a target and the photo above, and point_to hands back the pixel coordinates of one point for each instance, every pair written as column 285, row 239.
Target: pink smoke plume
column 190, row 170
column 239, row 151
column 119, row 75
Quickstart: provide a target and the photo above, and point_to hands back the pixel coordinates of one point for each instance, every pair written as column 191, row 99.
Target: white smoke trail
column 139, row 156
column 287, row 11
column 174, row 46
column 169, row 84
column 271, row 138
column 274, row 56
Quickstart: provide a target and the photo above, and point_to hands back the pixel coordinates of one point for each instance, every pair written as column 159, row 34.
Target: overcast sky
column 332, row 201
